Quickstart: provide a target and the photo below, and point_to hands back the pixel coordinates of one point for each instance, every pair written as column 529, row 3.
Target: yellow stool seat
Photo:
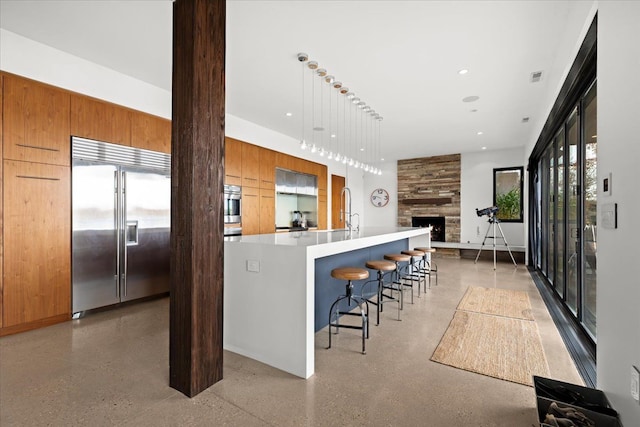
column 349, row 273
column 398, row 257
column 381, row 265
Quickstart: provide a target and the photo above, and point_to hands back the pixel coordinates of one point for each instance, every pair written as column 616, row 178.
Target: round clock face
column 379, row 197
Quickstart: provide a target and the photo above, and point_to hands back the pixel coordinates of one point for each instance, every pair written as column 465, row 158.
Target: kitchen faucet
column 348, row 216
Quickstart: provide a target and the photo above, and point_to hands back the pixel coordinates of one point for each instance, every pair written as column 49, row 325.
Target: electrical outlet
column 253, row 265
column 635, row 383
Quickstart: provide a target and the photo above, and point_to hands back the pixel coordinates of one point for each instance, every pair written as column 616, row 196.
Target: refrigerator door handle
column 123, row 276
column 116, row 221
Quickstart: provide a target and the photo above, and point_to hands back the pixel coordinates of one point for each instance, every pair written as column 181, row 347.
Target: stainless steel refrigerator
column 121, row 199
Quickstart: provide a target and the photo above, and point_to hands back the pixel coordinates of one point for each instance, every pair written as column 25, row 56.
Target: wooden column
column 195, row 344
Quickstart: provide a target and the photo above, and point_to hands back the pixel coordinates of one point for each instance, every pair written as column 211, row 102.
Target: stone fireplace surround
column 430, row 187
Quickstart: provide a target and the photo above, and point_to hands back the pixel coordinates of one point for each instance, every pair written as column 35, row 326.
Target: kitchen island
column 276, row 287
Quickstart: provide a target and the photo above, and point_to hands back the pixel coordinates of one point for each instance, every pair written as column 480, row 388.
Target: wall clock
column 379, row 197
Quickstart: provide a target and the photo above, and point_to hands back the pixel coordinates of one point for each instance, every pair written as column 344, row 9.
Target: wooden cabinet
column 36, row 122
column 150, row 132
column 284, row 161
column 322, row 212
column 337, row 201
column 258, row 211
column 322, row 197
column 250, row 165
column 322, row 180
column 100, row 120
column 232, row 162
column 250, row 211
column 267, row 211
column 37, row 241
column 267, row 169
column 1, row 195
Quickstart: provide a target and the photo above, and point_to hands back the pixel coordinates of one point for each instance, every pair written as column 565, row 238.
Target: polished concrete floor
column 111, row 368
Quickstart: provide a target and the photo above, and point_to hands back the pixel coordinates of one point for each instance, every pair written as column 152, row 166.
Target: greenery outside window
column 507, row 193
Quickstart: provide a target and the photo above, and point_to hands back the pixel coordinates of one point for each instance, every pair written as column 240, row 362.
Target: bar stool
column 429, row 265
column 401, row 274
column 415, row 271
column 381, row 267
column 349, row 274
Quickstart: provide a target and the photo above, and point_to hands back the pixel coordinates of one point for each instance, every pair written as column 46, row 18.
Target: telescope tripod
column 493, row 222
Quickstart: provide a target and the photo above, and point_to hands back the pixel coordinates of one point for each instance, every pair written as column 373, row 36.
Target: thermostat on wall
column 606, row 185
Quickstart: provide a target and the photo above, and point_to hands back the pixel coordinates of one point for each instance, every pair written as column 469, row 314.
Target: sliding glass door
column 572, row 208
column 566, row 207
column 589, row 215
column 559, row 224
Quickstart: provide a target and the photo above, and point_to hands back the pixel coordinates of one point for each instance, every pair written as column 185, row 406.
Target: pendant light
column 351, row 136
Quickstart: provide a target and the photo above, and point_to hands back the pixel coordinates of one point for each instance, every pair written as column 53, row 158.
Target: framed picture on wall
column 507, row 193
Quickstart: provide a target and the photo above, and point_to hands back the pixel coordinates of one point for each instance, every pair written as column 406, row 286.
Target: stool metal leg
column 362, row 304
column 382, row 295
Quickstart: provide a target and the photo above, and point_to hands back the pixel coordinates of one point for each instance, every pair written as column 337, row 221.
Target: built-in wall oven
column 232, row 210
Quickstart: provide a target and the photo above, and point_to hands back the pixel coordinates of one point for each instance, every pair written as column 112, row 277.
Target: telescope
column 490, row 211
column 493, row 223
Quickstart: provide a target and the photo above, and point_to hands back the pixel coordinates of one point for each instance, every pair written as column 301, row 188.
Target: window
column 507, row 193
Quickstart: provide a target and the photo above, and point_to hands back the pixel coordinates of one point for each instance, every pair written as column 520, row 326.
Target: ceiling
column 401, row 58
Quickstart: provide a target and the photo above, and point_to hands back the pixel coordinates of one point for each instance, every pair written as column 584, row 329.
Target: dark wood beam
column 437, row 201
column 197, row 174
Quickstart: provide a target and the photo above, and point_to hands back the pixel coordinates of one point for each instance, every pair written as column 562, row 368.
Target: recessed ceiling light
column 318, row 128
column 472, row 98
column 333, row 135
column 382, row 159
column 463, row 71
column 361, row 149
column 484, row 148
column 480, row 133
column 289, row 114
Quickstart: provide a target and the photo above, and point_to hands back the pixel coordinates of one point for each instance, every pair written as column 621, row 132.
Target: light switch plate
column 635, row 383
column 610, row 215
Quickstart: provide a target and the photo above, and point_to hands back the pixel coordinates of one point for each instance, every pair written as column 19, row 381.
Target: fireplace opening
column 437, row 224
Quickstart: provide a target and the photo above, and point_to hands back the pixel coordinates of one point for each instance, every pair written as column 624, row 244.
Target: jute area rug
column 499, row 302
column 494, row 345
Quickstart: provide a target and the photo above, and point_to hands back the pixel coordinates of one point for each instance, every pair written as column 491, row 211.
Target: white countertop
column 321, row 237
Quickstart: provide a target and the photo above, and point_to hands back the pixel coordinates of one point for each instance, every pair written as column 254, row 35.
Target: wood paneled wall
column 430, row 186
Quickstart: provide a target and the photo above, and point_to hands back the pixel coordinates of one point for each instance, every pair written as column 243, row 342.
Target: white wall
column 476, row 191
column 618, row 298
